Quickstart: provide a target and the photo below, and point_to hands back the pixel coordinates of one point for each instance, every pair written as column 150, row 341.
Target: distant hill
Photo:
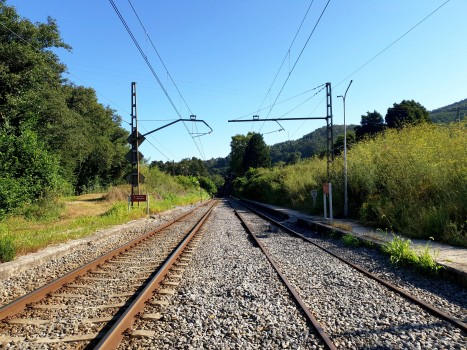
column 308, row 145
column 448, row 114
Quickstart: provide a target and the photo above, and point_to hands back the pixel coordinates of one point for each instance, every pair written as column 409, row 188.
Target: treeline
column 54, row 136
column 193, row 168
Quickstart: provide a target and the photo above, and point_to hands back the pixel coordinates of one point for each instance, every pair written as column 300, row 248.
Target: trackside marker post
column 327, row 190
column 314, row 194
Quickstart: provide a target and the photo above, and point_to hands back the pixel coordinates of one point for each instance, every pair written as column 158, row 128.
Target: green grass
column 350, row 240
column 20, row 236
column 402, row 254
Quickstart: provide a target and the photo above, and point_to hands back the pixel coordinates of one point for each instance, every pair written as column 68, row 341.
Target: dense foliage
column 256, row 153
column 411, row 180
column 190, row 167
column 406, row 113
column 55, row 136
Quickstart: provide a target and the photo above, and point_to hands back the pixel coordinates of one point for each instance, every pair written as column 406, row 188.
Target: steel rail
column 122, row 326
column 20, row 304
column 433, row 310
column 297, row 298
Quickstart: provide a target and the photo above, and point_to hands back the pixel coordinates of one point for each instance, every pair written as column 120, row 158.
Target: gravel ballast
column 230, row 297
column 354, row 310
column 40, row 274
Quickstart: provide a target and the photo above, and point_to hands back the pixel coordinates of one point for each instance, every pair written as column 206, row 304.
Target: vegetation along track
column 102, row 299
column 357, row 309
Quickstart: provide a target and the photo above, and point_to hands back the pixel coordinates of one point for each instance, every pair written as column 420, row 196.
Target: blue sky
column 223, row 56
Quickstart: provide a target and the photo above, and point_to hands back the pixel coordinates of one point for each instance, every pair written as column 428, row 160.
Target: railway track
column 95, row 305
column 218, row 290
column 353, row 298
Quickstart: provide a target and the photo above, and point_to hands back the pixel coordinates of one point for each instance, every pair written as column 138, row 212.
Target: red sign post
column 327, row 190
column 139, row 198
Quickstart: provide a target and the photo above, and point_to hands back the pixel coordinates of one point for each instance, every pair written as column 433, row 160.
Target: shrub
column 350, row 240
column 412, row 179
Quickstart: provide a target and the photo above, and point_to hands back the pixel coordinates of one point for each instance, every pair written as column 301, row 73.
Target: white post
column 325, row 209
column 330, row 202
column 129, row 202
column 147, row 204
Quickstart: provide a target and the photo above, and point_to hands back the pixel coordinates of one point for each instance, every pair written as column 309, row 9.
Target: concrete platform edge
column 449, row 273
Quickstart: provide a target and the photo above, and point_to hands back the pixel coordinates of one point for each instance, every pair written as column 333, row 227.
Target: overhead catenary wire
column 168, row 75
column 309, row 98
column 67, row 72
column 150, row 66
column 295, row 64
column 395, row 41
column 287, row 54
column 288, row 99
column 378, row 54
column 139, row 124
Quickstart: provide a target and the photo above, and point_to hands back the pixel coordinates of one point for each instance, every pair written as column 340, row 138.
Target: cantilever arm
column 181, row 120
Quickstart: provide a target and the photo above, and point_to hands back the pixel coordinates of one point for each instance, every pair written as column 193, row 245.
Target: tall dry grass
column 412, row 180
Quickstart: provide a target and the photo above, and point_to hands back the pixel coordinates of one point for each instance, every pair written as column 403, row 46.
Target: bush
column 185, row 182
column 411, row 180
column 208, row 185
column 27, row 170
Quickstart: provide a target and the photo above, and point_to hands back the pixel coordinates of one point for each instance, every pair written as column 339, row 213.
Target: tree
column 407, row 113
column 256, row 153
column 370, row 124
column 294, row 158
column 339, row 144
column 237, row 150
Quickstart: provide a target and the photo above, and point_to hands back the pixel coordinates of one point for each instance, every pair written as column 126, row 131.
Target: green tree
column 237, row 150
column 370, row 124
column 406, row 112
column 27, row 171
column 339, row 144
column 256, row 153
column 30, row 74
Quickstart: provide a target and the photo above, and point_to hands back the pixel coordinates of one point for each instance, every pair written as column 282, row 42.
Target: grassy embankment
column 57, row 220
column 413, row 181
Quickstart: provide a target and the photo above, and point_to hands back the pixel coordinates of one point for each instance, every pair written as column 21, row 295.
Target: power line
column 374, row 57
column 158, row 143
column 309, row 98
column 150, row 66
column 188, row 87
column 303, row 93
column 183, row 81
column 67, row 72
column 168, row 75
column 395, row 41
column 298, row 58
column 287, row 54
column 96, row 92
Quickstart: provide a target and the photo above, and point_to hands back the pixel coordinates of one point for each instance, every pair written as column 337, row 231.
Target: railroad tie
column 100, row 319
column 171, row 283
column 165, row 291
column 27, row 321
column 141, row 333
column 152, row 317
